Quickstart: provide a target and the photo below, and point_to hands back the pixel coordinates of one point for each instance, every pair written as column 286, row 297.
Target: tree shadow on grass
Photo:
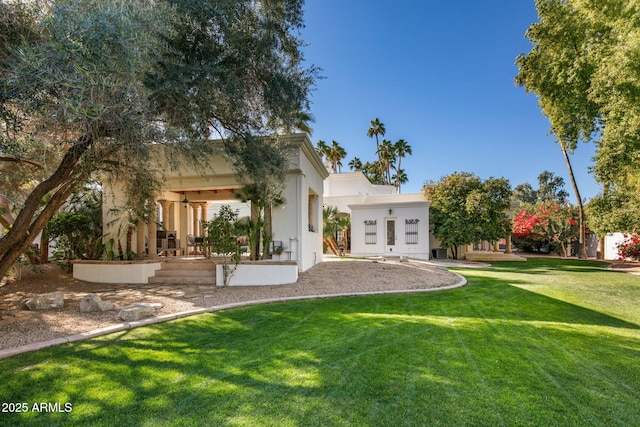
column 507, row 353
column 541, row 265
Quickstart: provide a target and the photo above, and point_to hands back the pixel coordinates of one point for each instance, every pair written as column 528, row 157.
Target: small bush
column 629, row 248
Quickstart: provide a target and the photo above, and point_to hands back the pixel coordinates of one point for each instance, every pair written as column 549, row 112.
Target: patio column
column 151, row 226
column 196, row 228
column 204, row 206
column 166, row 205
column 140, row 229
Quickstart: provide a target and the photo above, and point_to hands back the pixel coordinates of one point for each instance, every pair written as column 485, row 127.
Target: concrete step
column 168, row 280
column 184, row 265
column 186, row 273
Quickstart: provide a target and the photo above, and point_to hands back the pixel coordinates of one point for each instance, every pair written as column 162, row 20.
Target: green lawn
column 544, row 343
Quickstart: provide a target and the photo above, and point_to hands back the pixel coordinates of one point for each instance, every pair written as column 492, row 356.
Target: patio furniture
column 197, row 243
column 168, row 243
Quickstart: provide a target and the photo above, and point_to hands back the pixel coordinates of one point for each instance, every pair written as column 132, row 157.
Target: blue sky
column 438, row 74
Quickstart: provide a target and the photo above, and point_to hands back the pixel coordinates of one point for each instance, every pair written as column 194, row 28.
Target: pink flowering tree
column 629, row 248
column 549, row 224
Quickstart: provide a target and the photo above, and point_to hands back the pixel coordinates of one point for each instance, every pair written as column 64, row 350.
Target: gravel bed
column 20, row 327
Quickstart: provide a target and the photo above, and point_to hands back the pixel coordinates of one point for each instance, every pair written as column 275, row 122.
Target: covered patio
column 190, row 198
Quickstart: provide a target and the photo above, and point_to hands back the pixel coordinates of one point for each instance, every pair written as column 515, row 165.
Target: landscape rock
column 138, row 311
column 48, row 301
column 92, row 302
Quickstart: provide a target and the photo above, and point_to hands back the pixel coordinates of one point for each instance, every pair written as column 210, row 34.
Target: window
column 313, row 211
column 370, row 232
column 411, row 231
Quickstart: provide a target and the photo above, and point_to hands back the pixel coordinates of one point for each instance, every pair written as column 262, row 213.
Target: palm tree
column 335, row 155
column 387, row 157
column 582, row 251
column 343, row 223
column 377, row 128
column 355, row 164
column 372, row 172
column 400, row 178
column 298, row 121
column 322, row 148
column 329, row 217
column 334, row 222
column 402, row 148
column 301, row 120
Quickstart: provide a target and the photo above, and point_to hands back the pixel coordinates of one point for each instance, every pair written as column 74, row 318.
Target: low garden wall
column 260, row 273
column 134, row 272
column 248, row 273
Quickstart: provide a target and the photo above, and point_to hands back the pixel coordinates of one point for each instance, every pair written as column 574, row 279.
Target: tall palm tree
column 298, row 121
column 400, row 178
column 322, row 148
column 377, row 128
column 335, row 155
column 402, row 148
column 387, row 157
column 301, row 122
column 355, row 164
column 581, row 237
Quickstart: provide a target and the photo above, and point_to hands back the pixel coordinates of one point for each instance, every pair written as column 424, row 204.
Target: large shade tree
column 102, row 83
column 467, row 210
column 583, row 69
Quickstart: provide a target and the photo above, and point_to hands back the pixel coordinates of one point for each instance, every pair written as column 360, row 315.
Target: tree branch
column 12, row 159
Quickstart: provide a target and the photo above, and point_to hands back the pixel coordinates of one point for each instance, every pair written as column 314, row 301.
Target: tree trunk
column 582, row 251
column 129, row 239
column 268, row 230
column 62, row 183
column 454, row 251
column 6, row 219
column 44, row 247
column 256, row 218
column 331, row 245
column 23, row 238
column 600, row 254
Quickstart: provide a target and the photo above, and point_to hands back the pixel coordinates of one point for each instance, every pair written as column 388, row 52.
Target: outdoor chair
column 196, row 243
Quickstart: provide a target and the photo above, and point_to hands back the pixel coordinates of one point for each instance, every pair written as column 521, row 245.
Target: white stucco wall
column 260, row 274
column 400, row 212
column 290, row 222
column 354, row 184
column 611, row 241
column 115, row 272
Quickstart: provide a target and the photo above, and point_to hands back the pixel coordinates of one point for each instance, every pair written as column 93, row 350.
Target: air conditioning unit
column 439, row 253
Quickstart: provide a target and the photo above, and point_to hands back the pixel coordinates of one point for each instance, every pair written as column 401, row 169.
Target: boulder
column 92, row 302
column 138, row 311
column 48, row 301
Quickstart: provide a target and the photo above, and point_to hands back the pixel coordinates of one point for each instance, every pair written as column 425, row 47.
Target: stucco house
column 183, row 205
column 386, row 223
column 383, row 222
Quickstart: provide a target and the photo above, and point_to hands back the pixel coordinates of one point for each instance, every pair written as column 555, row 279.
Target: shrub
column 548, row 224
column 629, row 248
